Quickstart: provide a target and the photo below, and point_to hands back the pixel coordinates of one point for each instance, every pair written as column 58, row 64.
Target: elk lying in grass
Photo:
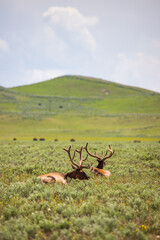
column 78, row 172
column 101, row 161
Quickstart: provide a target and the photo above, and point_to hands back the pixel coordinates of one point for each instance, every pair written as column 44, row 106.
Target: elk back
column 58, row 177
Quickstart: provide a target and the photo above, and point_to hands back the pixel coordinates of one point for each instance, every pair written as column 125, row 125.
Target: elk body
column 78, row 172
column 53, row 176
column 101, row 161
column 102, row 172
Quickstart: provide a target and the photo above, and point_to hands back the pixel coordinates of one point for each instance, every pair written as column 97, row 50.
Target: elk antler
column 92, row 155
column 80, row 166
column 100, row 158
column 82, row 160
column 110, row 155
column 71, row 158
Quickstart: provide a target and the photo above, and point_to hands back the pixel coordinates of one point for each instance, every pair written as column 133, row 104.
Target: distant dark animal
column 60, row 106
column 42, row 139
column 14, row 139
column 72, row 140
column 39, row 104
column 35, row 139
column 56, row 140
column 137, row 141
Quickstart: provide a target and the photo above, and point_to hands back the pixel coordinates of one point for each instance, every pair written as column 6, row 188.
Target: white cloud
column 3, row 45
column 142, row 71
column 72, row 22
column 54, row 47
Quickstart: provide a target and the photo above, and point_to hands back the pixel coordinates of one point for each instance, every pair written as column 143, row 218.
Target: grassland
column 125, row 206
column 78, row 86
column 81, row 108
column 82, row 127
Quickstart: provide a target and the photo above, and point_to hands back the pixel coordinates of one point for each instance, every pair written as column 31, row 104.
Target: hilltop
column 78, row 86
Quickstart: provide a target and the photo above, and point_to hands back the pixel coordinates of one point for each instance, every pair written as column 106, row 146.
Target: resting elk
column 78, row 172
column 101, row 161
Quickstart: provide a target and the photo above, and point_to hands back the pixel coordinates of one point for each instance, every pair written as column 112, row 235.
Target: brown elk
column 53, row 176
column 101, row 161
column 78, row 173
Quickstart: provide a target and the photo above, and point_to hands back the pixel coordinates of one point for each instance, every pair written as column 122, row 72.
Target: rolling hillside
column 80, row 107
column 78, row 86
column 85, row 94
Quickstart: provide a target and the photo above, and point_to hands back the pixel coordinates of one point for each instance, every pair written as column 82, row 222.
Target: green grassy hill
column 79, row 107
column 78, row 86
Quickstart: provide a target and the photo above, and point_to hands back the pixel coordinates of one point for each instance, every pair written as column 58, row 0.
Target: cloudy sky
column 116, row 40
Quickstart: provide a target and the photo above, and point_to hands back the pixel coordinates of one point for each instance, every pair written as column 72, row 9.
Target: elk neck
column 77, row 174
column 100, row 164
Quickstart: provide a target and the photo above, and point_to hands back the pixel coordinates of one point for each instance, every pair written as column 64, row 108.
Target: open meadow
column 124, row 206
column 81, row 108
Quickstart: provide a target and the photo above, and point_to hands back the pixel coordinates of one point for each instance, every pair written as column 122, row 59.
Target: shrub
column 10, row 212
column 46, row 225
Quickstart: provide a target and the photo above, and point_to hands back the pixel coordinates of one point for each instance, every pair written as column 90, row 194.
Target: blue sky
column 116, row 40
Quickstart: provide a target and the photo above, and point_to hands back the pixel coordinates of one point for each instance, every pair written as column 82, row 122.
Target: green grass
column 125, row 206
column 75, row 106
column 81, row 127
column 129, row 104
column 78, row 86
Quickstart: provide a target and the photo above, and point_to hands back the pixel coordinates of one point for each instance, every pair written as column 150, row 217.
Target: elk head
column 78, row 172
column 101, row 159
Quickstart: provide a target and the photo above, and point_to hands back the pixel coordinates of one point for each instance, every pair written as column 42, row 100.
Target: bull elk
column 78, row 172
column 101, row 161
